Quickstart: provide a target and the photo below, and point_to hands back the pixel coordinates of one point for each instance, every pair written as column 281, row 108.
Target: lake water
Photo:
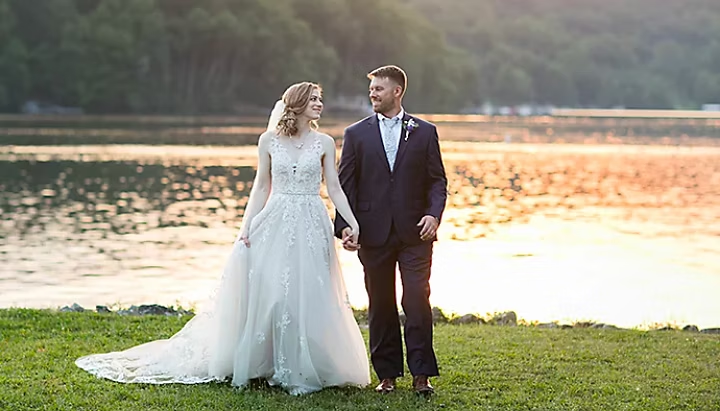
column 615, row 233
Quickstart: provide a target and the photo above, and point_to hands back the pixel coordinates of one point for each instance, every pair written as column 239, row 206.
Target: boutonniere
column 409, row 125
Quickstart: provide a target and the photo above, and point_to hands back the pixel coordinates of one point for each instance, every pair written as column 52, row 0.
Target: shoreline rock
column 135, row 310
column 504, row 319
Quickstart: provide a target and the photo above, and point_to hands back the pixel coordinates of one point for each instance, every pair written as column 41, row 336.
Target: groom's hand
column 428, row 227
column 349, row 243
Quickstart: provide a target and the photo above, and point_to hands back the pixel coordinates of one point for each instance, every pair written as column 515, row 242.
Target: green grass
column 483, row 367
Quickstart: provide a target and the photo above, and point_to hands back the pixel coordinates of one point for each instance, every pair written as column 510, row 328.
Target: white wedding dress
column 281, row 311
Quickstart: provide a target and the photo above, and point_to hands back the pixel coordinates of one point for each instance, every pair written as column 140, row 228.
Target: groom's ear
column 398, row 91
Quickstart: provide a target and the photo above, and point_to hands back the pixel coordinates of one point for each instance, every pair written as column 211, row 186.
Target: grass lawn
column 483, row 367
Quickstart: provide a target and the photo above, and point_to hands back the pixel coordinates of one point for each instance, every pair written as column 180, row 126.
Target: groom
column 392, row 173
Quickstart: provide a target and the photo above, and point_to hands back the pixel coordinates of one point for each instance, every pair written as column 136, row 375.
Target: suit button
column 392, row 180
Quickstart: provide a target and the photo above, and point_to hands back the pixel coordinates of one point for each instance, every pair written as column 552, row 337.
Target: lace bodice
column 296, row 171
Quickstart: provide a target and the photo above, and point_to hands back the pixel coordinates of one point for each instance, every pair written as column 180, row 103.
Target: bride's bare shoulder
column 266, row 138
column 326, row 139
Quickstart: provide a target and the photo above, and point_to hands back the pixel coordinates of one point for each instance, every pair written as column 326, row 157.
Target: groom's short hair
column 394, row 73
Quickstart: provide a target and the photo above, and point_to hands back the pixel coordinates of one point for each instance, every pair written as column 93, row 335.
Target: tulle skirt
column 280, row 313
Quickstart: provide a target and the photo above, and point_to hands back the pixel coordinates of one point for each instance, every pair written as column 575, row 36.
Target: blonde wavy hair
column 296, row 99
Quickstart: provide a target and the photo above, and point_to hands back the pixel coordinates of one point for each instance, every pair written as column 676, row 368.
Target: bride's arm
column 260, row 189
column 335, row 191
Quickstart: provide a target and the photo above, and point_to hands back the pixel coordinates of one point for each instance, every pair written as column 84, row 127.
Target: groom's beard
column 383, row 107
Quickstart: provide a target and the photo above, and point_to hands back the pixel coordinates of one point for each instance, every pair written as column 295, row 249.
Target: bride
column 281, row 311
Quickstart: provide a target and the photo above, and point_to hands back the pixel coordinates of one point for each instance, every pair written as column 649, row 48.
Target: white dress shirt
column 391, row 130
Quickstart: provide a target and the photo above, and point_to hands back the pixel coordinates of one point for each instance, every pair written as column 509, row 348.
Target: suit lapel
column 403, row 141
column 376, row 140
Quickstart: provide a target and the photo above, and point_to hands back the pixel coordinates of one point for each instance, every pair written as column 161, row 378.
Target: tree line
column 587, row 53
column 229, row 56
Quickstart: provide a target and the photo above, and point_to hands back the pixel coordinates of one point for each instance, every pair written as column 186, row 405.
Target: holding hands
column 350, row 238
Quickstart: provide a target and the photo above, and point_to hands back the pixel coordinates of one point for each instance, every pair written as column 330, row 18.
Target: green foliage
column 482, row 368
column 638, row 54
column 193, row 56
column 224, row 56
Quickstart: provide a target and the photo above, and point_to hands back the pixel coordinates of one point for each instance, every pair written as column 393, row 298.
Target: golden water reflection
column 620, row 234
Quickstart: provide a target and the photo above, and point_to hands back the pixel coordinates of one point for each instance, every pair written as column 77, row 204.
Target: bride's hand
column 350, row 239
column 244, row 237
column 355, row 236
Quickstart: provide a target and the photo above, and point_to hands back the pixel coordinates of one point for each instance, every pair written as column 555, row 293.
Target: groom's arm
column 346, row 174
column 437, row 193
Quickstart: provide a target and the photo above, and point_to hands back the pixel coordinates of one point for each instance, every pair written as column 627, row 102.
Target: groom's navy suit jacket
column 380, row 198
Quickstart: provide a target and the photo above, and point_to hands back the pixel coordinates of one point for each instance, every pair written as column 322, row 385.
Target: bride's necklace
column 300, row 139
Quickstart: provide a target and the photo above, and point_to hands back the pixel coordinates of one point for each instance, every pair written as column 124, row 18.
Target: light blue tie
column 390, row 139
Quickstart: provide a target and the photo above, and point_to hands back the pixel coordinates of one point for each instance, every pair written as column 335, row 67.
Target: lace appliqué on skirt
column 281, row 310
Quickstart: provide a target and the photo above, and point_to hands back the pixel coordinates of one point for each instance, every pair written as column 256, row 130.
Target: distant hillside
column 221, row 56
column 633, row 53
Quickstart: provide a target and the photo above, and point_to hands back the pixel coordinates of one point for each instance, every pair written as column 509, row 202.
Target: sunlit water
column 627, row 235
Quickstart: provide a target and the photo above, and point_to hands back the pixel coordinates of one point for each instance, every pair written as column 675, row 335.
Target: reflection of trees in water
column 119, row 196
column 487, row 189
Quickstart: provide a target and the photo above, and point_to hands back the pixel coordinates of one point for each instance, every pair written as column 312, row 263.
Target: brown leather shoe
column 422, row 386
column 386, row 386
